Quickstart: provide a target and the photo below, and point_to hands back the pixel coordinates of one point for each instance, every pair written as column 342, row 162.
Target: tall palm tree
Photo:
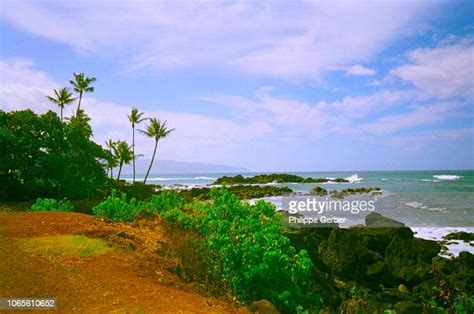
column 61, row 98
column 124, row 155
column 156, row 130
column 81, row 85
column 135, row 117
column 112, row 161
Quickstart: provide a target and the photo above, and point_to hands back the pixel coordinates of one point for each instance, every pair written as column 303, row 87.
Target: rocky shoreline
column 382, row 265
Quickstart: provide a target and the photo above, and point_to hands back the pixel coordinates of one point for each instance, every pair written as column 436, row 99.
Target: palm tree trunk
column 79, row 105
column 120, row 171
column 111, row 172
column 61, row 114
column 133, row 151
column 151, row 163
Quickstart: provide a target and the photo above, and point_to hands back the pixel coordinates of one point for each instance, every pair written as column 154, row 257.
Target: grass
column 66, row 245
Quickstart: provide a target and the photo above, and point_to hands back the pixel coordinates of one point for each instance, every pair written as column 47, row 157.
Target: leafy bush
column 257, row 260
column 51, row 205
column 178, row 216
column 464, row 303
column 40, row 156
column 164, row 201
column 118, row 208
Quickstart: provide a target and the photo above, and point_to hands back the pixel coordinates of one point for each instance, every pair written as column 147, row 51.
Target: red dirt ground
column 132, row 278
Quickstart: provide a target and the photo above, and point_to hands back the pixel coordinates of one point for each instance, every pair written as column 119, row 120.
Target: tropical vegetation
column 135, row 118
column 82, row 84
column 156, row 130
column 61, row 98
column 51, row 205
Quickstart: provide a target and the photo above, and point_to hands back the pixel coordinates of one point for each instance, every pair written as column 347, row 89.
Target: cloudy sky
column 266, row 85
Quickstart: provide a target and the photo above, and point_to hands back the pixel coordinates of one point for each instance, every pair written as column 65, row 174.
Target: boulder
column 263, row 307
column 406, row 307
column 376, row 220
column 461, row 235
column 378, row 239
column 460, row 270
column 345, row 254
column 410, row 259
column 380, row 273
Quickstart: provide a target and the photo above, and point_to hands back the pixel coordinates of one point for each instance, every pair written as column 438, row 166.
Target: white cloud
column 197, row 137
column 360, row 70
column 22, row 86
column 302, row 118
column 265, row 120
column 444, row 71
column 420, row 115
column 281, row 39
column 421, row 138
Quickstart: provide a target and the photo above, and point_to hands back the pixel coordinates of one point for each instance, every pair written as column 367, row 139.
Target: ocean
column 433, row 203
column 419, row 198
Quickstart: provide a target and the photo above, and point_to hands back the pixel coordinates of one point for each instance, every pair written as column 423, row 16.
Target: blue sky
column 270, row 86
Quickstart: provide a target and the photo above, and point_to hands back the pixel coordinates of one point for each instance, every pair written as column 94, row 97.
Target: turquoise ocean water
column 442, row 198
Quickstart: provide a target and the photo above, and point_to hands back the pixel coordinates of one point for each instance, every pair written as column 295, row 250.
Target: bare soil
column 130, row 278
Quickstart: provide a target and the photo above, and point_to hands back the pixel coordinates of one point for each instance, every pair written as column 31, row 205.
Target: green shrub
column 164, row 201
column 51, row 205
column 118, row 208
column 178, row 216
column 40, row 156
column 257, row 260
column 464, row 303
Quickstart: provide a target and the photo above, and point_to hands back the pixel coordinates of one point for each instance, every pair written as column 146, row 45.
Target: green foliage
column 319, row 191
column 464, row 303
column 165, row 201
column 168, row 205
column 178, row 216
column 118, row 208
column 242, row 191
column 51, row 205
column 274, row 177
column 40, row 156
column 257, row 260
column 346, row 192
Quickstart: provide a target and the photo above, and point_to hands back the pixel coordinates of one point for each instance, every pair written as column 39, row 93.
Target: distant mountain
column 172, row 166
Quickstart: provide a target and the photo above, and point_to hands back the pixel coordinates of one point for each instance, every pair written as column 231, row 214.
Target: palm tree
column 81, row 84
column 135, row 117
column 124, row 155
column 61, row 98
column 112, row 160
column 81, row 119
column 157, row 131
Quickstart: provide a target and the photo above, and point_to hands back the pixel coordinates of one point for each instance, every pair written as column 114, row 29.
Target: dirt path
column 131, row 278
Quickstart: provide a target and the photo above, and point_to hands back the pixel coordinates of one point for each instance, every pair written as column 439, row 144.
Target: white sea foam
column 353, row 178
column 437, row 234
column 446, row 177
column 429, row 180
column 418, row 205
column 179, row 179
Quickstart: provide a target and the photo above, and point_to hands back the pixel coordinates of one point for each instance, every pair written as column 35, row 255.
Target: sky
column 264, row 85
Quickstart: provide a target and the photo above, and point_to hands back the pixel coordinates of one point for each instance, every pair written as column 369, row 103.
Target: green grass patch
column 66, row 245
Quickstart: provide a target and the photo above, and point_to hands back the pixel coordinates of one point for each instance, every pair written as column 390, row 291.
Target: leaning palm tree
column 156, row 130
column 81, row 85
column 124, row 155
column 135, row 117
column 61, row 98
